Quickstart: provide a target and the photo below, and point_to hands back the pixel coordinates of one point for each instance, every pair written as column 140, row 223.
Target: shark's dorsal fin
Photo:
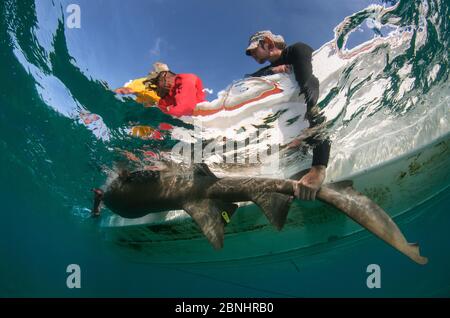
column 203, row 169
column 207, row 214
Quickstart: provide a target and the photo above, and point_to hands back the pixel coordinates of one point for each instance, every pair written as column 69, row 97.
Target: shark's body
column 210, row 201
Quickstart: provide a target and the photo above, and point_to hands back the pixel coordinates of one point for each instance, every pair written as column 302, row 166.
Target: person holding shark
column 211, row 201
column 264, row 46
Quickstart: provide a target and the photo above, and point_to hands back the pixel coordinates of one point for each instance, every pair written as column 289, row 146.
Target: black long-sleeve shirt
column 299, row 56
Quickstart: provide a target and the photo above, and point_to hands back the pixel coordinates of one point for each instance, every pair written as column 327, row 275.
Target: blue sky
column 119, row 40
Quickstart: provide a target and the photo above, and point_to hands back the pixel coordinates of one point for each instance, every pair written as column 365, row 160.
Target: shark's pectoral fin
column 275, row 206
column 208, row 214
column 225, row 209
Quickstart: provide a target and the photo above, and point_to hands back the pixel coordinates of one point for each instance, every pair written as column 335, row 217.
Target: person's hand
column 308, row 186
column 124, row 90
column 281, row 69
column 149, row 104
column 297, row 142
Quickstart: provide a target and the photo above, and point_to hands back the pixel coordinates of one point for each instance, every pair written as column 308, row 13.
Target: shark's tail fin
column 370, row 215
column 414, row 253
column 275, row 206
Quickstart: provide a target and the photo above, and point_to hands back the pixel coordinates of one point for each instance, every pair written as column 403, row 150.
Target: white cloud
column 156, row 50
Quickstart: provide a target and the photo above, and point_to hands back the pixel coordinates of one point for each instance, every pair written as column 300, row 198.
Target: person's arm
column 308, row 186
column 321, row 153
column 185, row 97
column 124, row 90
column 267, row 70
column 299, row 56
column 130, row 87
column 321, row 147
column 284, row 68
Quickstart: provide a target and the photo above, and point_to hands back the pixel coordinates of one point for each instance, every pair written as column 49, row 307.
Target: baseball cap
column 261, row 35
column 158, row 67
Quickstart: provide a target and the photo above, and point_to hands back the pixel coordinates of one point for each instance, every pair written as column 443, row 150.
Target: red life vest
column 185, row 94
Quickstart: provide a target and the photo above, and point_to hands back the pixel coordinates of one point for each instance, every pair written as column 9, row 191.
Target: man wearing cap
column 179, row 93
column 145, row 94
column 265, row 46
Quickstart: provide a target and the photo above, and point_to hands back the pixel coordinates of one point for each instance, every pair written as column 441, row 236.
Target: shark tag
column 225, row 216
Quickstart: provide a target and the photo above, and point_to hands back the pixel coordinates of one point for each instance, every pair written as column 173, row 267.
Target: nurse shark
column 211, row 201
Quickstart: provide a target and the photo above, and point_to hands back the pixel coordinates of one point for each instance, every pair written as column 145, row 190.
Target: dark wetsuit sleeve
column 321, row 147
column 321, row 153
column 299, row 55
